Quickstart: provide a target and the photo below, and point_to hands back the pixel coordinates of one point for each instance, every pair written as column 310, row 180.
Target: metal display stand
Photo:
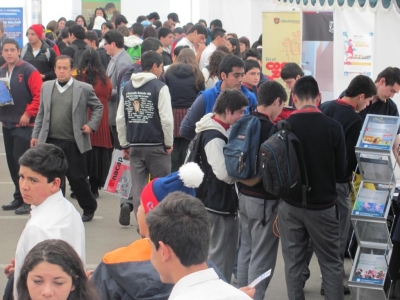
column 372, row 212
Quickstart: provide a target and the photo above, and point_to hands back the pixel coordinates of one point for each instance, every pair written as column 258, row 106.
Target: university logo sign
column 276, row 20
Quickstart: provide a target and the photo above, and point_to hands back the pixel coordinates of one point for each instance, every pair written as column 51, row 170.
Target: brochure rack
column 372, row 214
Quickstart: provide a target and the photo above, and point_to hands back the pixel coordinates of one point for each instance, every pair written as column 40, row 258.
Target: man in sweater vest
column 62, row 121
column 18, row 119
column 145, row 124
column 323, row 144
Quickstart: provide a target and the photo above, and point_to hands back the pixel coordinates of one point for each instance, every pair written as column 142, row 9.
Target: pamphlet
column 379, row 132
column 376, row 169
column 118, row 181
column 5, row 95
column 370, row 268
column 260, row 278
column 370, row 202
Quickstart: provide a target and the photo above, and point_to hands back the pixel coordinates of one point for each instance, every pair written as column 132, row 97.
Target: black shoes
column 87, row 217
column 24, row 209
column 12, row 205
column 125, row 215
column 346, row 291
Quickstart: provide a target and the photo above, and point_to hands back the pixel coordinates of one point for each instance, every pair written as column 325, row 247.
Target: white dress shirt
column 205, row 285
column 62, row 89
column 54, row 218
column 205, row 56
column 185, row 42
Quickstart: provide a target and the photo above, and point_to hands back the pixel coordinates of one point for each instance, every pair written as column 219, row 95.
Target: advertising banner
column 357, row 56
column 281, row 42
column 12, row 17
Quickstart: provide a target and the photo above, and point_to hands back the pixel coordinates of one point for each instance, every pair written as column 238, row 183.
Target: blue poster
column 12, row 19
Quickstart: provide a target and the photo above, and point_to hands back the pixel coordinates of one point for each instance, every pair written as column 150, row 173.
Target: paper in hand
column 260, row 278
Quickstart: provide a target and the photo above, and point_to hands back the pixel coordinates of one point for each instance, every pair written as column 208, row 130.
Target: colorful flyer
column 370, row 203
column 118, row 181
column 379, row 132
column 371, row 268
column 5, row 96
column 357, row 53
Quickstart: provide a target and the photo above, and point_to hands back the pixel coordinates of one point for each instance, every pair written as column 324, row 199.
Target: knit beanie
column 185, row 180
column 38, row 29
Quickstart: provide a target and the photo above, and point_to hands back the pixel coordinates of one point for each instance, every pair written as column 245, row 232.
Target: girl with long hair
column 184, row 80
column 92, row 72
column 233, row 46
column 98, row 12
column 52, row 269
column 210, row 72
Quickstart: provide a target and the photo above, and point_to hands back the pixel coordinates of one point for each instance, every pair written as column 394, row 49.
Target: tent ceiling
column 373, row 5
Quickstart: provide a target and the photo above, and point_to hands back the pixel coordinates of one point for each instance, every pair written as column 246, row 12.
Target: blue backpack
column 242, row 150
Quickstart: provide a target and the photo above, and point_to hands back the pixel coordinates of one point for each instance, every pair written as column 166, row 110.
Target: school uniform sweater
column 352, row 123
column 323, row 144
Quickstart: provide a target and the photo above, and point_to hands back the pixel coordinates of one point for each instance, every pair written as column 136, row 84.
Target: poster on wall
column 317, row 50
column 357, row 56
column 284, row 28
column 89, row 7
column 12, row 17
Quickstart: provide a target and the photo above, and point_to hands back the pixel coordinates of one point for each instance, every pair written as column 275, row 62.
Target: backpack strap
column 48, row 53
column 23, row 51
column 303, row 173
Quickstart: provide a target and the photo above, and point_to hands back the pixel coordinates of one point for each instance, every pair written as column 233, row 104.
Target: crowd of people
column 80, row 89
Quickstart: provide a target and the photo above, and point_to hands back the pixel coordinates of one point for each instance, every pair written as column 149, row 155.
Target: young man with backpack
column 78, row 45
column 217, row 191
column 133, row 43
column 258, row 209
column 38, row 53
column 166, row 37
column 316, row 215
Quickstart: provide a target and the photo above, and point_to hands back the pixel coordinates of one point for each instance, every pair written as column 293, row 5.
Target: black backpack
column 78, row 54
column 282, row 165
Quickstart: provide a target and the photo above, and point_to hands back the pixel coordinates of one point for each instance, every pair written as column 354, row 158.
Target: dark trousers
column 179, row 154
column 16, row 142
column 77, row 174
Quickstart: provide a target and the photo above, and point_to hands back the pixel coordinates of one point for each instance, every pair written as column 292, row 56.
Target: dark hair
column 153, row 15
column 71, row 61
column 269, row 91
column 179, row 30
column 251, row 64
column 181, row 222
column 109, row 5
column 235, row 43
column 11, row 41
column 361, row 84
column 108, row 24
column 178, row 50
column 149, row 58
column 91, row 67
column 70, row 23
column 187, row 27
column 94, row 15
column 228, row 63
column 216, row 32
column 60, row 253
column 306, row 88
column 391, row 75
column 251, row 53
column 260, row 40
column 224, row 49
column 137, row 29
column 52, row 26
column 234, row 35
column 78, row 31
column 64, row 33
column 151, row 44
column 163, row 32
column 157, row 24
column 92, row 36
column 124, row 30
column 46, row 159
column 83, row 18
column 149, row 31
column 199, row 28
column 216, row 23
column 202, row 21
column 244, row 40
column 114, row 36
column 232, row 100
column 291, row 70
column 214, row 62
column 62, row 19
column 120, row 19
column 140, row 19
